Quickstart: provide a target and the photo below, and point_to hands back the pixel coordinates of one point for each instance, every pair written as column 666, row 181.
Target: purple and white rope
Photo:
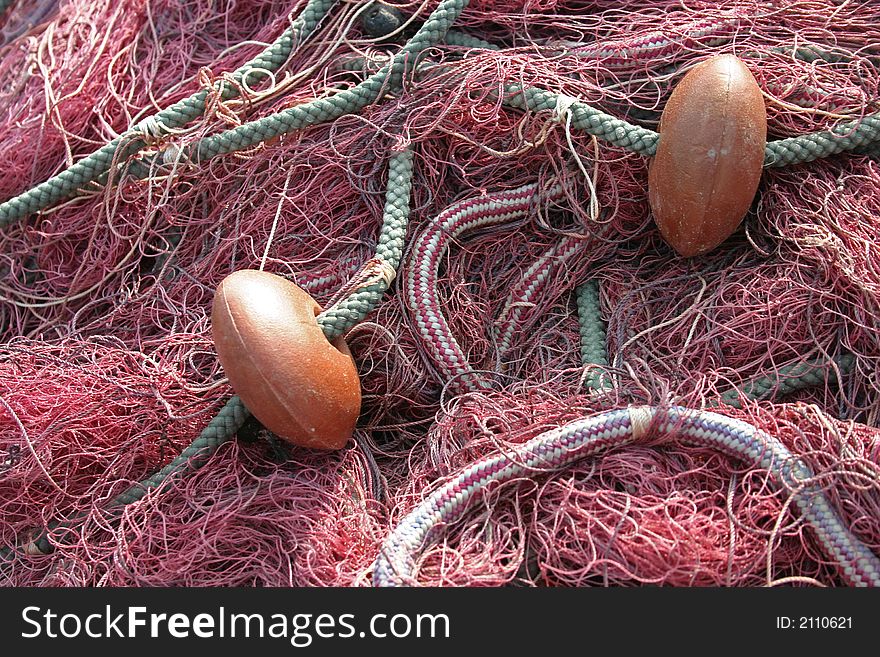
column 420, row 277
column 395, row 563
column 657, row 46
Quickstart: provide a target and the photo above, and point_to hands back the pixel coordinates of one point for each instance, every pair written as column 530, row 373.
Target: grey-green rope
column 321, row 110
column 860, row 136
column 95, row 166
column 462, row 40
column 794, row 150
column 592, row 332
column 856, row 135
column 334, row 321
column 788, row 379
column 340, row 104
column 341, row 316
column 871, row 150
column 220, row 430
column 846, row 136
column 363, row 299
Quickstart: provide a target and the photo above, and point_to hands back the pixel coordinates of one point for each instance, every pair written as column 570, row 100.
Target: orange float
column 710, row 155
column 298, row 384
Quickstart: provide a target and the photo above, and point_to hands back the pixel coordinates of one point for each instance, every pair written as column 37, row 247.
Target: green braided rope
column 221, row 429
column 340, row 104
column 806, row 148
column 852, row 135
column 333, row 322
column 860, row 136
column 456, row 38
column 340, row 317
column 91, row 168
column 396, row 213
column 592, row 331
column 788, row 379
column 871, row 150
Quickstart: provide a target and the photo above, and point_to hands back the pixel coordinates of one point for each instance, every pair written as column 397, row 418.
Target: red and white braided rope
column 521, row 297
column 421, row 275
column 397, row 561
column 657, row 46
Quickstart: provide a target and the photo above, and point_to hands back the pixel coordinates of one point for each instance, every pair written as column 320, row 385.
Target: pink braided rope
column 810, row 97
column 531, row 285
column 420, row 277
column 658, row 45
column 328, row 281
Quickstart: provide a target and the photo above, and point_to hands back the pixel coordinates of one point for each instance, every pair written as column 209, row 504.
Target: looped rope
column 590, row 436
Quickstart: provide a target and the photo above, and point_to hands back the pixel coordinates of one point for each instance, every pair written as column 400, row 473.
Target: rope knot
column 215, row 103
column 171, row 155
column 640, row 417
column 375, row 270
column 562, row 110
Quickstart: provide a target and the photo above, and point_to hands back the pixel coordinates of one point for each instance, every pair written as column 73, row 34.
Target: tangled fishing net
column 108, row 368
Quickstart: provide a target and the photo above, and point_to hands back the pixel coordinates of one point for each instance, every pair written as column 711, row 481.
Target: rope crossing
column 96, row 166
column 857, row 135
column 334, row 321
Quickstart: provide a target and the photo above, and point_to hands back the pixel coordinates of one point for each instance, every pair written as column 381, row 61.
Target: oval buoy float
column 710, row 155
column 297, row 384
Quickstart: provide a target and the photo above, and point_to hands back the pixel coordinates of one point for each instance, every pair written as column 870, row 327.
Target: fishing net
column 108, row 368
